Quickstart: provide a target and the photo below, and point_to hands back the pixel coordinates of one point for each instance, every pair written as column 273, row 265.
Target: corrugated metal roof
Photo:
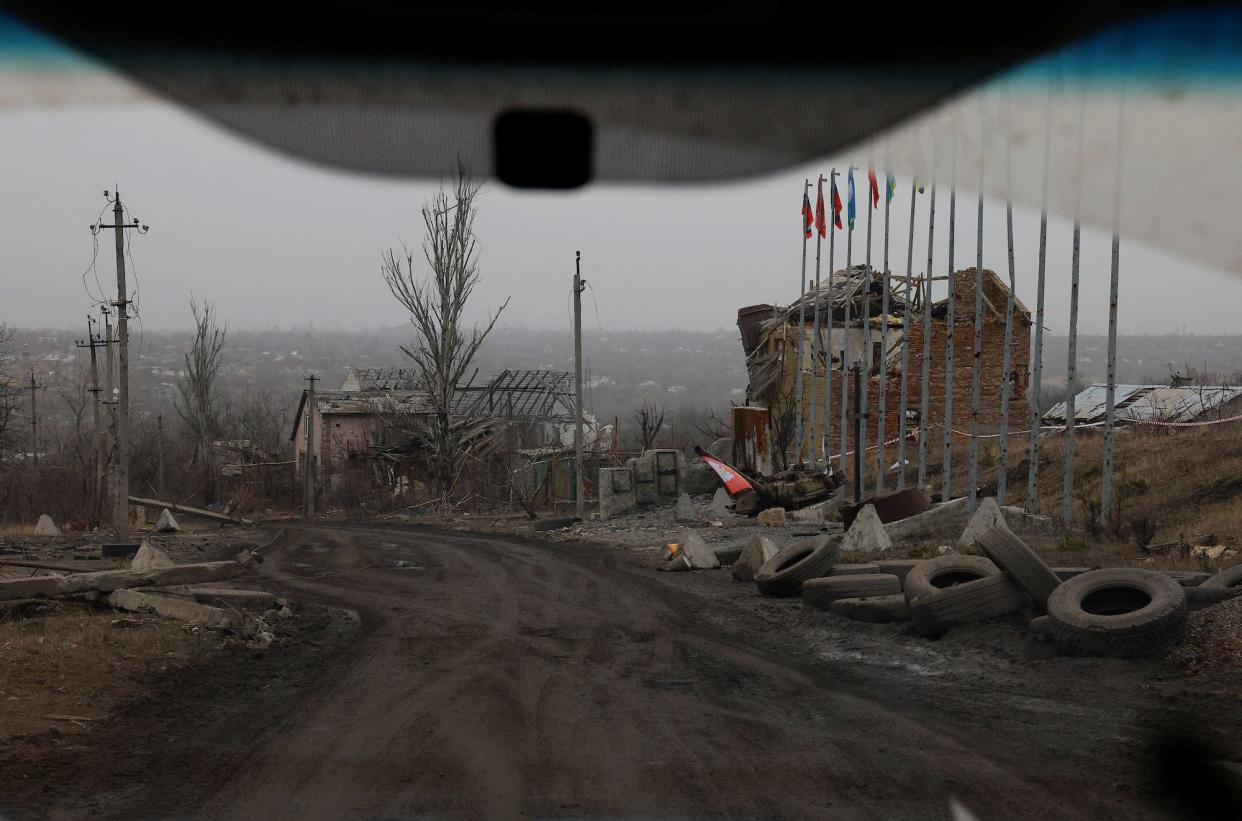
column 380, row 379
column 1147, row 403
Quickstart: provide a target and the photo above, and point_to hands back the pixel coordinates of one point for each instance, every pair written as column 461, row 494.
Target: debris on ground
column 771, row 517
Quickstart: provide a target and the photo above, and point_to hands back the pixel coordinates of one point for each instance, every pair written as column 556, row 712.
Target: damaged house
column 372, row 424
column 770, row 339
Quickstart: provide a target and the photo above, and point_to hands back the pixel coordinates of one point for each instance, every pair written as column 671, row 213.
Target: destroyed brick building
column 770, row 340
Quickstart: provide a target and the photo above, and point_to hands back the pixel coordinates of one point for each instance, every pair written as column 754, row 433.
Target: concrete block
column 699, row 556
column 687, row 511
column 757, row 551
column 721, row 503
column 256, row 600
column 46, row 527
column 866, row 534
column 772, row 517
column 150, row 557
column 166, row 523
column 947, row 516
column 616, row 491
column 987, row 516
column 192, row 612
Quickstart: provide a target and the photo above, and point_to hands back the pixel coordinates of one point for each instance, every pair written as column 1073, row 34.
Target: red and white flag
column 734, row 482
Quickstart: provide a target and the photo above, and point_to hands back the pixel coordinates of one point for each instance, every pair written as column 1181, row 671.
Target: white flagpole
column 976, row 369
column 1110, row 406
column 1002, row 479
column 924, row 405
column 1037, row 356
column 883, row 397
column 801, row 327
column 816, row 343
column 1071, row 369
column 905, row 347
column 845, row 331
column 826, row 441
column 947, row 464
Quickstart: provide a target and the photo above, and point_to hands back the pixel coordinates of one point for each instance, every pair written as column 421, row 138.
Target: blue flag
column 891, row 186
column 850, row 209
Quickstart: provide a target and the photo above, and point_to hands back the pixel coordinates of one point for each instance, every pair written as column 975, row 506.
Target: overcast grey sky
column 275, row 242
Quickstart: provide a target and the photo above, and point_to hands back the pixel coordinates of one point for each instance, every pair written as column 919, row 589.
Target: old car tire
column 1229, row 577
column 898, row 567
column 876, row 609
column 822, row 592
column 784, row 573
column 1023, row 565
column 985, row 598
column 946, row 571
column 1119, row 612
column 854, row 569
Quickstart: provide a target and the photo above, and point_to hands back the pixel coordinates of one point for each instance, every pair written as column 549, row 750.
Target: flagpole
column 947, row 464
column 925, row 404
column 882, row 399
column 1002, row 479
column 1071, row 366
column 1110, row 405
column 845, row 328
column 816, row 342
column 801, row 323
column 1037, row 357
column 826, row 440
column 976, row 365
column 865, row 383
column 905, row 347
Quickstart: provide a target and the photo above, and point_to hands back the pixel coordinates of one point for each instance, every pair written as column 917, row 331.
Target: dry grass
column 1169, row 485
column 66, row 665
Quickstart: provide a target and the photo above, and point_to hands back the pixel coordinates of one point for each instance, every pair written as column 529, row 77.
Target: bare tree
column 650, row 419
column 442, row 349
column 196, row 401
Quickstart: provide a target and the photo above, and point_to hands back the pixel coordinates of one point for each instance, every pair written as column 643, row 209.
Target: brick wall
column 991, row 360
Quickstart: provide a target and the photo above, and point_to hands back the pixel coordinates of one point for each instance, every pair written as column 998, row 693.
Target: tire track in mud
column 508, row 679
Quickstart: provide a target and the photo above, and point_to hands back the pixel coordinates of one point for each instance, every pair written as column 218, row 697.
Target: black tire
column 784, row 573
column 1188, row 578
column 1229, row 577
column 898, row 567
column 875, row 609
column 1023, row 565
column 1203, row 596
column 822, row 592
column 945, row 571
column 1120, row 612
column 985, row 598
column 1066, row 573
column 855, row 569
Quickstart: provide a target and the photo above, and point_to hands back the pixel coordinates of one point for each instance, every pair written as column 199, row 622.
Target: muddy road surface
column 496, row 678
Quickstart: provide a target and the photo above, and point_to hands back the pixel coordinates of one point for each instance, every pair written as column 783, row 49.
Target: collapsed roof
column 1146, row 403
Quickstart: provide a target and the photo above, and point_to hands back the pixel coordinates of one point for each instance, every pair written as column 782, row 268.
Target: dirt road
column 496, row 678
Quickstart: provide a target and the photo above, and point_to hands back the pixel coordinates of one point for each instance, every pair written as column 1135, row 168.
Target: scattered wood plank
column 192, row 511
column 105, row 581
column 60, row 567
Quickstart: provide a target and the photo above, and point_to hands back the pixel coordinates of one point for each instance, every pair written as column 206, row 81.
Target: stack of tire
column 1118, row 612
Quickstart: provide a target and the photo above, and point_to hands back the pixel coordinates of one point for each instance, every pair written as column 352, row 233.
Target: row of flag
column 817, row 219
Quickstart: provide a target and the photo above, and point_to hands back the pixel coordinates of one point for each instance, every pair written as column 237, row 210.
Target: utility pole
column 34, row 420
column 308, row 479
column 159, row 454
column 120, row 498
column 579, row 285
column 93, row 342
